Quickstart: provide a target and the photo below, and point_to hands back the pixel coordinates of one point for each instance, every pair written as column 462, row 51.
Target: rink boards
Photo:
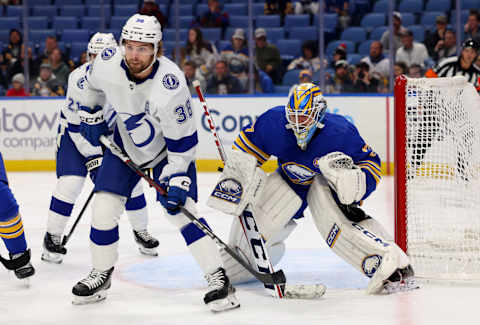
column 28, row 127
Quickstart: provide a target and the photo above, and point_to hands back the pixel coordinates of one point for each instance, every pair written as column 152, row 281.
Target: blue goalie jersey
column 269, row 136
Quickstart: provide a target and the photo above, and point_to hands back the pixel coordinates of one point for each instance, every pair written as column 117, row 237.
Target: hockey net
column 437, row 176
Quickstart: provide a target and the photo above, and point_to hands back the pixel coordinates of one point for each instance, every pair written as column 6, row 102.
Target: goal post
column 437, row 176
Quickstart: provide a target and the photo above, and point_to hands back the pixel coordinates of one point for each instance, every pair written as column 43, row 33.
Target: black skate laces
column 95, row 279
column 144, row 235
column 56, row 239
column 216, row 280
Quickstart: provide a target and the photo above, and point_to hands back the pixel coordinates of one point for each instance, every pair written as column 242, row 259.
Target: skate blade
column 304, row 291
column 85, row 300
column 407, row 284
column 148, row 251
column 51, row 257
column 230, row 302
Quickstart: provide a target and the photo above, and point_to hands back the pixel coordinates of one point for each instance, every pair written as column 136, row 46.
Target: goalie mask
column 142, row 28
column 305, row 111
column 98, row 42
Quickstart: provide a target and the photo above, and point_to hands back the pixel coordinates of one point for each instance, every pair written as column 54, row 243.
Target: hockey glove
column 178, row 187
column 92, row 124
column 92, row 164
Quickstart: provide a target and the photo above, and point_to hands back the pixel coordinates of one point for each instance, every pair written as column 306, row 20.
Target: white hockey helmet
column 98, row 42
column 142, row 28
column 305, row 111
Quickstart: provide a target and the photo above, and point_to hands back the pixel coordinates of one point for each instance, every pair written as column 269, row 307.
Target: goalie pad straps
column 238, row 185
column 370, row 254
column 347, row 179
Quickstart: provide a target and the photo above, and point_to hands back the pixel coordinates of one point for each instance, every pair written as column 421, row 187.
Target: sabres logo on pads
column 229, row 190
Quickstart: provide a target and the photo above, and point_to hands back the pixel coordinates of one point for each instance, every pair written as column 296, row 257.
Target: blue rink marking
column 306, row 266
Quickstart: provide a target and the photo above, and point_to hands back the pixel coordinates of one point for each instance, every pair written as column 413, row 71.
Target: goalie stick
column 67, row 237
column 277, row 278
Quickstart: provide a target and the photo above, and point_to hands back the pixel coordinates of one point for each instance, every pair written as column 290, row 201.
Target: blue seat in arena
column 96, row 11
column 75, row 35
column 303, row 33
column 438, row 5
column 410, row 6
column 289, row 48
column 297, row 21
column 47, row 11
column 72, row 10
column 428, row 18
column 408, row 19
column 418, row 32
column 463, row 14
column 7, row 23
column 354, row 34
column 184, row 10
column 124, row 10
column 122, row 2
column 186, row 21
column 330, row 21
column 354, row 58
column 200, row 9
column 222, row 44
column 239, row 21
column 333, row 45
column 258, row 9
column 470, row 4
column 14, row 11
column 76, row 49
column 268, row 21
column 290, row 77
column 61, row 22
column 168, row 47
column 372, row 20
column 169, row 34
column 92, row 23
column 39, row 22
column 377, row 33
column 364, row 47
column 71, row 2
column 236, row 8
column 212, row 34
column 381, row 6
column 94, row 2
column 39, row 2
column 39, row 35
column 4, row 35
column 280, row 89
column 118, row 21
column 275, row 33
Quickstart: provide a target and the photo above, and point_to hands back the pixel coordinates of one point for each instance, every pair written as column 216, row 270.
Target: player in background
column 323, row 163
column 76, row 157
column 12, row 232
column 156, row 129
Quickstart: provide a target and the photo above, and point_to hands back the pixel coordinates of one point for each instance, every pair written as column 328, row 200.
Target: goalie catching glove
column 346, row 178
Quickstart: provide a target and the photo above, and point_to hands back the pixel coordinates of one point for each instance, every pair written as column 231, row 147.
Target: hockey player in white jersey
column 76, row 157
column 156, row 129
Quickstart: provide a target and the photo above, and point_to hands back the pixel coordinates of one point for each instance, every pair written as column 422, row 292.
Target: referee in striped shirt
column 462, row 65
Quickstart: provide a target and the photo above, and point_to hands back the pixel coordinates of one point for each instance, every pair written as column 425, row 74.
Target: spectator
column 82, row 60
column 378, row 63
column 191, row 74
column 278, row 7
column 340, row 53
column 150, row 8
column 399, row 68
column 412, row 52
column 446, row 48
column 306, row 7
column 308, row 60
column 13, row 50
column 339, row 7
column 341, row 81
column 59, row 67
column 472, row 26
column 203, row 53
column 18, row 65
column 50, row 45
column 17, row 89
column 215, row 16
column 398, row 31
column 435, row 39
column 222, row 82
column 415, row 71
column 236, row 55
column 3, row 75
column 46, row 84
column 363, row 81
column 267, row 56
column 304, row 76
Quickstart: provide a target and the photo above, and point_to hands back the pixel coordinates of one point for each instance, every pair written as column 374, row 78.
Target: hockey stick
column 250, row 230
column 67, row 237
column 266, row 278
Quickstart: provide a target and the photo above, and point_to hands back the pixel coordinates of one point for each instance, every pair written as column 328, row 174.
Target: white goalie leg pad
column 106, row 212
column 68, row 189
column 239, row 183
column 138, row 218
column 367, row 252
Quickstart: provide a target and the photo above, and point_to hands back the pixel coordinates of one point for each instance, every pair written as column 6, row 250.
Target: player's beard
column 137, row 66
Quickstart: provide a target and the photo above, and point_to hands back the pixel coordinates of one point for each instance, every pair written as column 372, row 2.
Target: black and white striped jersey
column 451, row 67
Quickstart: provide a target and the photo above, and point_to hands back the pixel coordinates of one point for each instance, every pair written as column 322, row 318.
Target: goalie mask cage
column 437, row 183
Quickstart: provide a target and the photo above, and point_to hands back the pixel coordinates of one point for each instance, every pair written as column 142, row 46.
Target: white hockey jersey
column 154, row 116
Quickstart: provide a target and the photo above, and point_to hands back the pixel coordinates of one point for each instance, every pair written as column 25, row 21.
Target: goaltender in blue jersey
column 323, row 163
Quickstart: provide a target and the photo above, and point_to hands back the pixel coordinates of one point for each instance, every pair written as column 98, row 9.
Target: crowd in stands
column 285, row 49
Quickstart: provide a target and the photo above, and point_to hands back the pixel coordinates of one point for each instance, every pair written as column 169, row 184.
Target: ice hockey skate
column 221, row 295
column 20, row 264
column 53, row 249
column 401, row 280
column 93, row 288
column 146, row 243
